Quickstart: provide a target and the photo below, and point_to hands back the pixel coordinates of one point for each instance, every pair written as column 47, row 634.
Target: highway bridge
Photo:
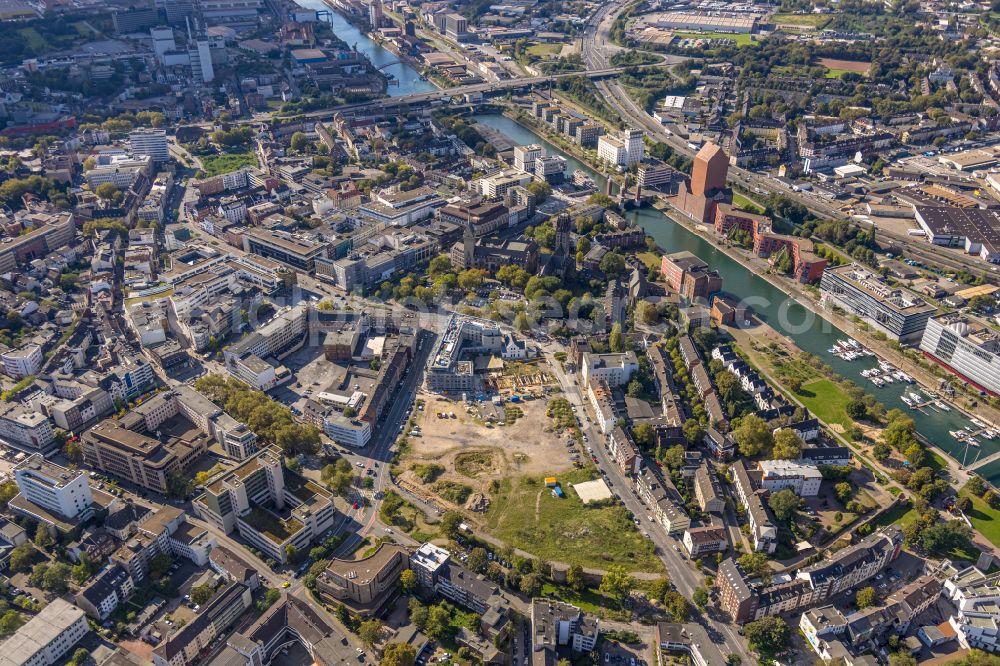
column 378, row 105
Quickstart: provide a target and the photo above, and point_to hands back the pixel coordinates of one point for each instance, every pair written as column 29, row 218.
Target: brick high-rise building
column 709, row 171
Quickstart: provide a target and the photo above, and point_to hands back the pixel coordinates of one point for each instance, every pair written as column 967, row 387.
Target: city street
column 683, row 574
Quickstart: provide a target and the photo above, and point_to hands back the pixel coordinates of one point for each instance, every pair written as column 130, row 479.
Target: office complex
column 895, row 311
column 965, row 346
column 150, row 142
column 270, row 507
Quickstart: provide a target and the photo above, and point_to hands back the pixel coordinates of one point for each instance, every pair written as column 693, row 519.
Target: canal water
column 809, row 332
column 408, row 78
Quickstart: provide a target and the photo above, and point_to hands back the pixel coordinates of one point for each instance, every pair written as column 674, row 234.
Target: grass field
column 215, row 165
column 743, row 203
column 984, row 518
column 544, row 50
column 743, row 39
column 827, row 401
column 836, row 73
column 901, row 514
column 525, row 514
column 34, row 40
column 807, row 20
column 649, row 259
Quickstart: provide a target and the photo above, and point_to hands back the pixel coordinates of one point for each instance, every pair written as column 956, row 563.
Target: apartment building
column 843, row 570
column 615, row 369
column 555, row 624
column 185, row 645
column 707, row 491
column 62, row 491
column 109, row 589
column 966, row 347
column 700, row 541
column 665, row 503
column 689, row 276
column 897, row 312
column 801, row 478
column 763, row 527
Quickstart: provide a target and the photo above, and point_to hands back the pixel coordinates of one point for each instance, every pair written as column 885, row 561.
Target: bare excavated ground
column 473, row 453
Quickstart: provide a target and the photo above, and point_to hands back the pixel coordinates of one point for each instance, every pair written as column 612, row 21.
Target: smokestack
column 638, row 193
column 607, row 190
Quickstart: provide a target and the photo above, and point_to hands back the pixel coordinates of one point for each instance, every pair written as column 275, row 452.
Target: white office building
column 151, row 142
column 965, row 346
column 525, row 156
column 622, row 152
column 47, row 637
column 23, row 361
column 57, row 489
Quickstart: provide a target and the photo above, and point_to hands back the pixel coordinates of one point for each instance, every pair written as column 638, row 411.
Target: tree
column 10, row 622
column 300, row 142
column 8, row 490
column 477, row 560
column 290, row 553
column 450, row 523
column 644, row 434
column 574, row 577
column 438, row 621
column 700, row 597
column 42, row 537
column 80, row 657
column 975, row 485
column 857, row 409
column 398, row 654
column 20, row 557
column 784, row 503
column 674, row 456
column 418, row 614
column 521, row 322
column 201, row 594
column 56, row 578
column 471, row 279
column 106, row 191
column 752, row 435
column 768, row 634
column 408, row 581
column 81, row 570
column 676, row 606
column 531, row 585
column 540, row 190
column 693, row 432
column 73, row 452
column 369, row 632
column 755, row 564
column 844, row 492
column 865, row 597
column 787, row 445
column 616, row 341
column 612, row 264
column 901, row 659
column 881, row 451
column 658, row 588
column 616, row 583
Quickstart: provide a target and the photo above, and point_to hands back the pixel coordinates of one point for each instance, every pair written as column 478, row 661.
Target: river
column 408, row 78
column 809, row 332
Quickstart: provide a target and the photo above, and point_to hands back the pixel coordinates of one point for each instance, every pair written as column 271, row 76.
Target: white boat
column 957, row 434
column 914, row 397
column 887, row 378
column 942, row 405
column 877, row 382
column 833, row 350
column 885, row 365
column 971, row 441
column 977, row 422
column 909, row 403
column 988, row 434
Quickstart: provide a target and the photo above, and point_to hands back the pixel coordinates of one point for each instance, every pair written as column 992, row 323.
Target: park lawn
column 35, row 41
column 827, row 401
column 215, row 165
column 811, row 20
column 901, row 514
column 83, row 29
column 743, row 203
column 650, row 259
column 741, row 39
column 984, row 518
column 544, row 50
column 525, row 514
